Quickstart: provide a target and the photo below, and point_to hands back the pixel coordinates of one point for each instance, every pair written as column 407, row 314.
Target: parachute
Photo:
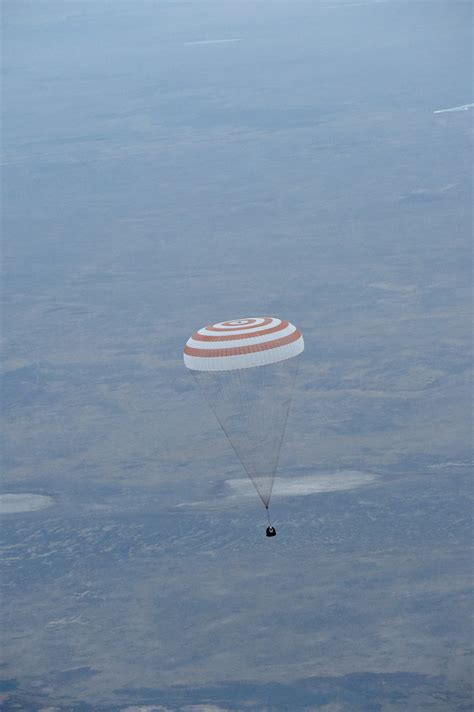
column 246, row 369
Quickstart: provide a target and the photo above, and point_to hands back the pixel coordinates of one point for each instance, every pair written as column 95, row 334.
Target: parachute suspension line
column 268, row 516
column 293, row 381
column 285, row 382
column 249, row 425
column 252, row 408
column 219, row 419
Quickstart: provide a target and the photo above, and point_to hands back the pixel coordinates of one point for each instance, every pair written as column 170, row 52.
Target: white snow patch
column 14, row 503
column 309, row 484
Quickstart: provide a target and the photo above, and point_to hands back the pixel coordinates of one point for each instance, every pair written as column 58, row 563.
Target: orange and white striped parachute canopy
column 242, row 343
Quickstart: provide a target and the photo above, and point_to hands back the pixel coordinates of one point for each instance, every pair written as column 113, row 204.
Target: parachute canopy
column 242, row 343
column 246, row 371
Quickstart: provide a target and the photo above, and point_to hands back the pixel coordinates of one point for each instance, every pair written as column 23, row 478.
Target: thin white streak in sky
column 205, row 42
column 464, row 107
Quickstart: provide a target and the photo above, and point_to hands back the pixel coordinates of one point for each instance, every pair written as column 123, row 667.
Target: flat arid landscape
column 169, row 165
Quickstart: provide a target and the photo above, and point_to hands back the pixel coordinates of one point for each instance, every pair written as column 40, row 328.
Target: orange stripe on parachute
column 235, row 337
column 239, row 350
